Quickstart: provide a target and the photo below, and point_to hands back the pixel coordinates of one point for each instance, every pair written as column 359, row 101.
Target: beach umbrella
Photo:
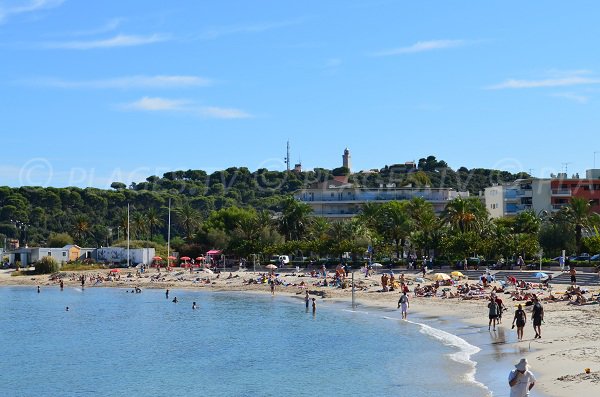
column 157, row 258
column 441, row 277
column 200, row 258
column 185, row 258
column 271, row 267
column 457, row 274
column 541, row 275
column 377, row 265
column 115, row 270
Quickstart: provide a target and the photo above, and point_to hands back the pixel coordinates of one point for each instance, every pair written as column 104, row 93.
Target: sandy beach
column 569, row 345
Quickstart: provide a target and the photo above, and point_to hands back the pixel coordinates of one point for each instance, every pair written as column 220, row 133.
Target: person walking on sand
column 537, row 316
column 521, row 380
column 404, row 303
column 521, row 319
column 501, row 308
column 493, row 312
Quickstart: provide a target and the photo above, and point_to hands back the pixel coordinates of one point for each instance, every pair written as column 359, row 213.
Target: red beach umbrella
column 185, row 258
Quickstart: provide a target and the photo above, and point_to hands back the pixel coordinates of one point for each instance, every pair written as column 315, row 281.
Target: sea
column 113, row 342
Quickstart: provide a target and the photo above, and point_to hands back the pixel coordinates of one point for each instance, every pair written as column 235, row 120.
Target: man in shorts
column 404, row 303
column 493, row 312
column 537, row 316
column 573, row 274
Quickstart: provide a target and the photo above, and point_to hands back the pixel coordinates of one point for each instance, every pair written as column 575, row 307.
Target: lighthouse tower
column 346, row 162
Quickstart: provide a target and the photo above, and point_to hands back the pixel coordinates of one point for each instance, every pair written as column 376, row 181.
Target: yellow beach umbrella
column 441, row 277
column 457, row 274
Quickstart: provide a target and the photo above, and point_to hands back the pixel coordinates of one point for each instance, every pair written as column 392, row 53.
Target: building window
column 49, row 253
column 64, row 253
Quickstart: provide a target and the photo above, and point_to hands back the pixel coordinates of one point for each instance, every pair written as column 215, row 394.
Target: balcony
column 558, row 207
column 561, row 192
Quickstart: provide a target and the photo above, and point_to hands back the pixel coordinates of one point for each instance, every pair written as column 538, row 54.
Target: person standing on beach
column 521, row 319
column 404, row 303
column 573, row 274
column 272, row 282
column 501, row 308
column 521, row 380
column 62, row 285
column 493, row 312
column 537, row 317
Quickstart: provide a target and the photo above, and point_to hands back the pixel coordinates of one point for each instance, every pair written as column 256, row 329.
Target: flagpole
column 127, row 234
column 169, row 235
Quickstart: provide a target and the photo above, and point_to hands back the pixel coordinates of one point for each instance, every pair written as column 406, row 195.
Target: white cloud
column 422, row 46
column 551, row 82
column 223, row 113
column 159, row 81
column 156, row 104
column 581, row 99
column 26, row 7
column 109, row 26
column 120, row 40
column 216, row 32
column 178, row 105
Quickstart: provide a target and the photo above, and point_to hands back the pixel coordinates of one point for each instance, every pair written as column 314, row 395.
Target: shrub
column 46, row 265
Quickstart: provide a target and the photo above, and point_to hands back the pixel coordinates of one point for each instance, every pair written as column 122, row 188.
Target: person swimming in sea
column 194, row 306
column 175, row 300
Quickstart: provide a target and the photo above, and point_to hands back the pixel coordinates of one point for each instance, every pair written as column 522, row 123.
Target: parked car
column 595, row 257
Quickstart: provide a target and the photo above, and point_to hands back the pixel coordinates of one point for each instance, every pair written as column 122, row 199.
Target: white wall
column 494, row 201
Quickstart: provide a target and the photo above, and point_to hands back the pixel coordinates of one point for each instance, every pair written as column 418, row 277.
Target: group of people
column 496, row 307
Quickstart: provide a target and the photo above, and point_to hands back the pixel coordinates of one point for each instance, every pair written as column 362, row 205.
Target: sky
column 93, row 92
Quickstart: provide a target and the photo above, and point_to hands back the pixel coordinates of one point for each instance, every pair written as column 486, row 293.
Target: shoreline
column 570, row 340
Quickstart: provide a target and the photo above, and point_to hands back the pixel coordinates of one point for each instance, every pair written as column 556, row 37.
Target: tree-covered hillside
column 95, row 217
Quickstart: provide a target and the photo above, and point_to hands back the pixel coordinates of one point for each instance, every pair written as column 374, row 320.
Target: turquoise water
column 113, row 343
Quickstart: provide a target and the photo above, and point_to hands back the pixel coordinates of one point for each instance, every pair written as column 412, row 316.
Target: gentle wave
column 463, row 356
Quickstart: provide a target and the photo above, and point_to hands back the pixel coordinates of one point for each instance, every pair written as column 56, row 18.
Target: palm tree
column 188, row 219
column 395, row 223
column 579, row 214
column 294, row 219
column 139, row 225
column 153, row 220
column 462, row 213
column 81, row 228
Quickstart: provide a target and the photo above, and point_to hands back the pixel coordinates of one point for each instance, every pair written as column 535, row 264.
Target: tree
column 188, row 218
column 81, row 228
column 153, row 221
column 462, row 213
column 579, row 213
column 118, row 186
column 59, row 240
column 394, row 224
column 139, row 225
column 294, row 219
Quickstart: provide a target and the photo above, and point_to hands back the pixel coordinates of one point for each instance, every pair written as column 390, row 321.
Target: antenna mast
column 287, row 158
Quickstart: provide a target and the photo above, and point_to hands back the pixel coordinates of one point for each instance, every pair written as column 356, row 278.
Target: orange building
column 563, row 189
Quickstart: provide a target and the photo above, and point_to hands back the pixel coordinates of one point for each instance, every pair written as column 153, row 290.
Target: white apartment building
column 521, row 195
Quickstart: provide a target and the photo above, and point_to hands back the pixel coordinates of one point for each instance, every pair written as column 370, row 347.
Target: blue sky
column 99, row 91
